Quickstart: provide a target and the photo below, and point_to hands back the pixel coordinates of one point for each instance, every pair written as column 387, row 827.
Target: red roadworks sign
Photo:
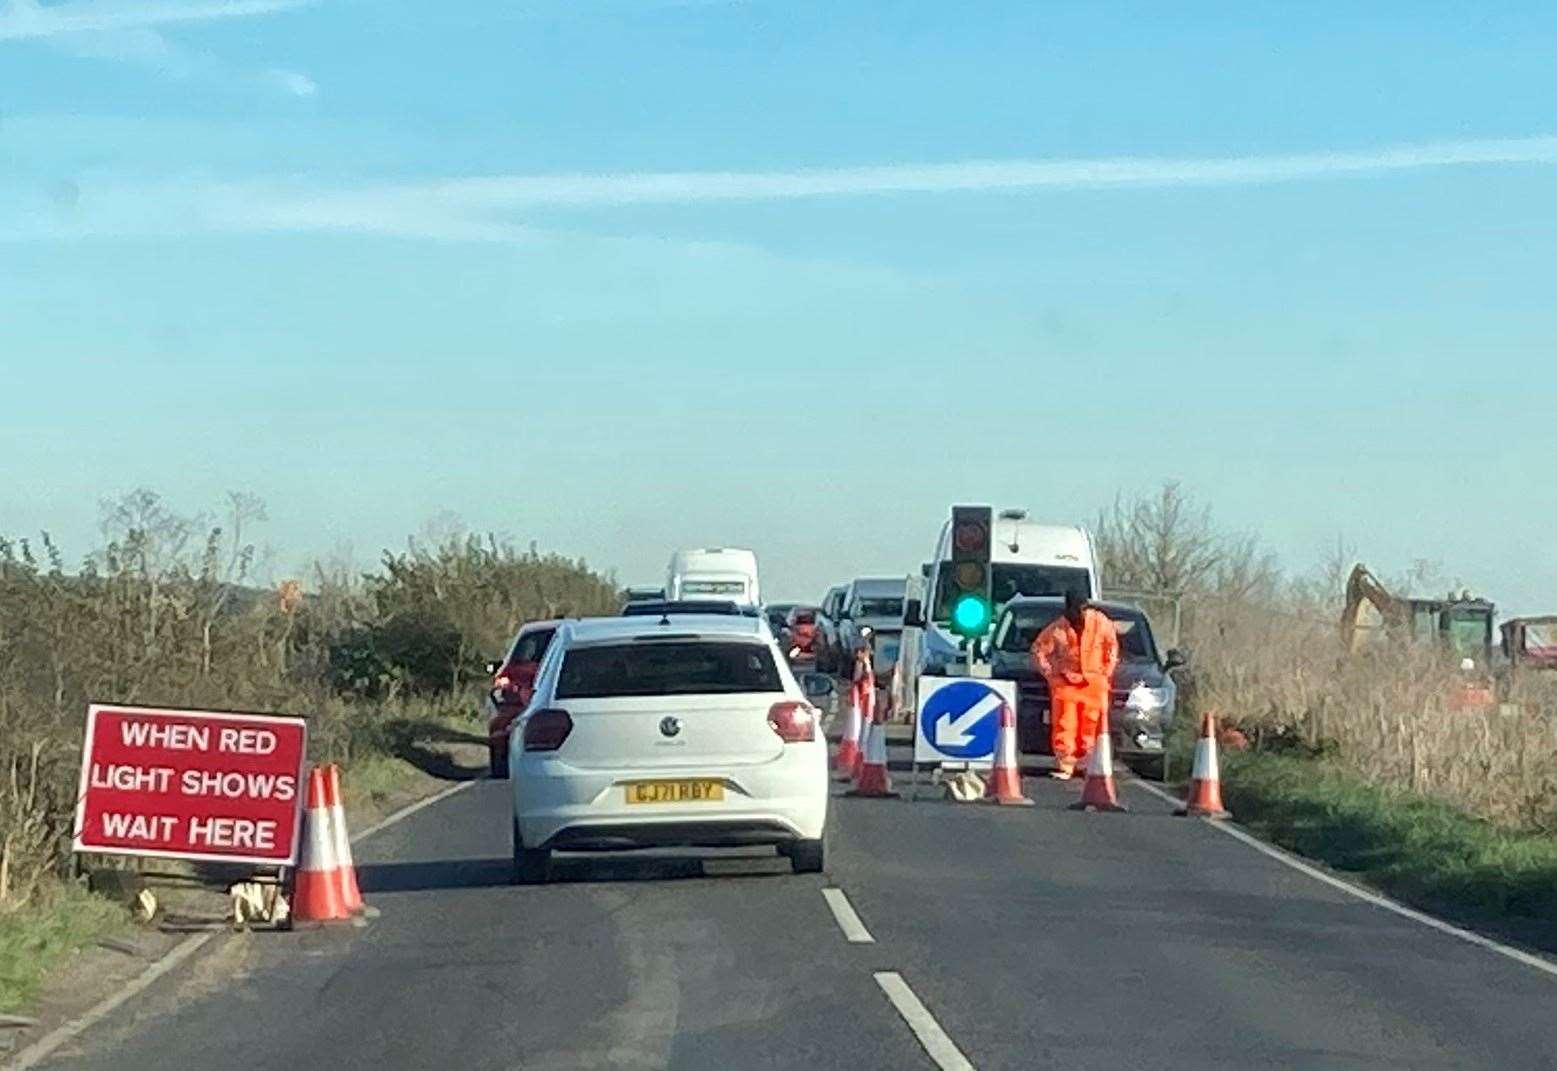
column 191, row 784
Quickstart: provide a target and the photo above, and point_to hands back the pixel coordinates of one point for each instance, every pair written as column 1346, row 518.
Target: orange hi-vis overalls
column 1075, row 709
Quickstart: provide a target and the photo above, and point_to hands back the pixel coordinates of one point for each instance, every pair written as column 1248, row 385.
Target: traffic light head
column 971, row 607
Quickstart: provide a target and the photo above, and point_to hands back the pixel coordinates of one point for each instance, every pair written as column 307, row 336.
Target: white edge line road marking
column 1529, row 959
column 40, row 1049
column 940, row 1048
column 45, row 1045
column 848, row 919
column 408, row 811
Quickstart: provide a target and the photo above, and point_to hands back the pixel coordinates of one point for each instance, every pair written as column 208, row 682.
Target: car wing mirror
column 493, row 667
column 1176, row 659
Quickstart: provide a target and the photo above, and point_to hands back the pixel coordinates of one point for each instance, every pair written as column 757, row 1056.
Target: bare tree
column 220, row 579
column 146, row 542
column 1161, row 542
column 1245, row 571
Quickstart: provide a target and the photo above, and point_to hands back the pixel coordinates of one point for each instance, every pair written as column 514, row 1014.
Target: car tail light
column 547, row 729
column 794, row 722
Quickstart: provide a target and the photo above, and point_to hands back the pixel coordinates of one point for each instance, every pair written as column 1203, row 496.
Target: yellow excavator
column 1461, row 623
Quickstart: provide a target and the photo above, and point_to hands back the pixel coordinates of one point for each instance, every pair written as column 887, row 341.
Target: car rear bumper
column 563, row 806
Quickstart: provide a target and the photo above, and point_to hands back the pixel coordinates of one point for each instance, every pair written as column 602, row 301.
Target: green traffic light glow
column 970, row 614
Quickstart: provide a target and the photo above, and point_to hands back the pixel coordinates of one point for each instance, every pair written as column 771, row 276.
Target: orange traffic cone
column 847, row 762
column 351, row 895
column 1097, row 791
column 874, row 779
column 1005, row 780
column 1205, row 778
column 316, row 892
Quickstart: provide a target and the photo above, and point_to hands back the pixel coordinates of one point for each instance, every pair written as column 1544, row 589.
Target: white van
column 714, row 573
column 1026, row 558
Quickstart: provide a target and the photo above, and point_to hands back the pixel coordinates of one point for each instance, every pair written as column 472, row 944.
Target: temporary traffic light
column 970, row 580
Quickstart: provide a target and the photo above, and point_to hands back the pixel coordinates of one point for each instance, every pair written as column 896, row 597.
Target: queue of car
column 681, row 721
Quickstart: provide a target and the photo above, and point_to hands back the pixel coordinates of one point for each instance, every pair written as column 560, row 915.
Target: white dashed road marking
column 940, row 1048
column 848, row 920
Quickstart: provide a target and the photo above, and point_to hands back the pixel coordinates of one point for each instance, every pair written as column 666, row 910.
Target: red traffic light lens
column 970, row 537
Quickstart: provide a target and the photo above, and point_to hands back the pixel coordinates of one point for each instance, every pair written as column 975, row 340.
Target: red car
column 800, row 631
column 513, row 680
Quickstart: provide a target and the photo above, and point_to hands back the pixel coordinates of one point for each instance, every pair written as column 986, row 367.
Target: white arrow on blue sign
column 959, row 718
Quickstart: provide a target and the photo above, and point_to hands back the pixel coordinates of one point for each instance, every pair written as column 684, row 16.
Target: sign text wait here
column 191, row 784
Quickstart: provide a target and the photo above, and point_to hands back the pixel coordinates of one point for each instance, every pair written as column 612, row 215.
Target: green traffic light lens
column 970, row 614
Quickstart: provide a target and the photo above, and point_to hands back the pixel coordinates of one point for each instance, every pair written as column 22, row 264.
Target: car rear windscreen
column 531, row 646
column 680, row 606
column 667, row 667
column 868, row 607
column 1011, row 579
column 1019, row 628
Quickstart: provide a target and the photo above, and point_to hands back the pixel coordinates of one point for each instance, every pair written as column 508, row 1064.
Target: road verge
column 1420, row 850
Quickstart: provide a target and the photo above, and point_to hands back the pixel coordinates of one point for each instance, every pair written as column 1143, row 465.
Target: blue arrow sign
column 960, row 720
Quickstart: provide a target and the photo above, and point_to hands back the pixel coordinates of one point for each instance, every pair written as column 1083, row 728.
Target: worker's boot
column 1063, row 770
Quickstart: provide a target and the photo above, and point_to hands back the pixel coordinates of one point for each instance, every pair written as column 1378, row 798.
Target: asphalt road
column 1034, row 938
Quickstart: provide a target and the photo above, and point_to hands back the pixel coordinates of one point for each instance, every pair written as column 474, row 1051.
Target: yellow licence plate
column 674, row 791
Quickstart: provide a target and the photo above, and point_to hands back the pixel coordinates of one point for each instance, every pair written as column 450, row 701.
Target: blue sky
column 620, row 276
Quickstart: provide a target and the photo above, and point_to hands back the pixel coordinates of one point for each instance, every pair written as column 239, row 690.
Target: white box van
column 714, row 573
column 1026, row 558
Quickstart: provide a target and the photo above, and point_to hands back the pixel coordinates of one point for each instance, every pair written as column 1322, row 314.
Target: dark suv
column 1142, row 700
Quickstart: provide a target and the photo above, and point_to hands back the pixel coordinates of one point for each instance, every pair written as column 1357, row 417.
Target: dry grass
column 1385, row 718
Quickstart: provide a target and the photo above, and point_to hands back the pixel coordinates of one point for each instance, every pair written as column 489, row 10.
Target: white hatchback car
column 674, row 731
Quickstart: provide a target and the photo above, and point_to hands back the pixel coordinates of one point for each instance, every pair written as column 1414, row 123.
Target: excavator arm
column 1369, row 608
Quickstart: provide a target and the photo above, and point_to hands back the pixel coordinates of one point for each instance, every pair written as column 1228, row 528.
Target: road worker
column 1076, row 653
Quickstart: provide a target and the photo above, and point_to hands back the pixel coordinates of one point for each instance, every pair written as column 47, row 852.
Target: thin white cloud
column 129, row 31
column 28, row 20
column 503, row 208
column 688, row 187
